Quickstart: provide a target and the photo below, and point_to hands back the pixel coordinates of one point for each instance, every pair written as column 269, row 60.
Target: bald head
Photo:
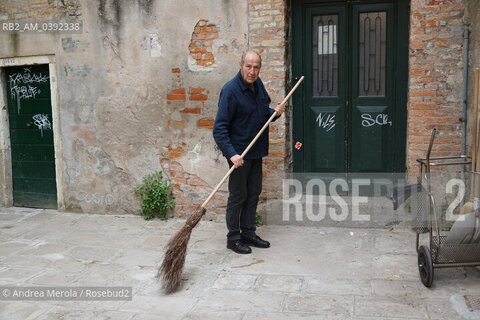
column 248, row 52
column 250, row 65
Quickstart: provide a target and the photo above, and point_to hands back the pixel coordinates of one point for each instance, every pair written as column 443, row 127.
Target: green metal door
column 31, row 136
column 351, row 115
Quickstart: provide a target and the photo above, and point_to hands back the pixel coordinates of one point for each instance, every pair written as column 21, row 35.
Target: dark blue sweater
column 241, row 114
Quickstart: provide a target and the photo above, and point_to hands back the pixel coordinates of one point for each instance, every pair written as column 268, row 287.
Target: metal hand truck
column 440, row 253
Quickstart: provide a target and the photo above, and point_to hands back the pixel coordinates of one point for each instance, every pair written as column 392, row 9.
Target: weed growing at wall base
column 258, row 220
column 157, row 196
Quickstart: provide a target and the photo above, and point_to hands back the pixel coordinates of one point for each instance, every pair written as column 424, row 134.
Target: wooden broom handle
column 252, row 143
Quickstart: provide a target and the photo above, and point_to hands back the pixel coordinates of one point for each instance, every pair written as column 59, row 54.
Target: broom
column 176, row 250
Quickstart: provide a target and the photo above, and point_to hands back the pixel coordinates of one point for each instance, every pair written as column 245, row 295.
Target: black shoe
column 238, row 246
column 256, row 241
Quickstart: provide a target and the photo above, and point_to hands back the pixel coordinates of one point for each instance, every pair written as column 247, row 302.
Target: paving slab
column 200, row 314
column 384, row 307
column 22, row 311
column 235, row 281
column 59, row 312
column 310, row 272
column 234, row 300
column 283, row 316
column 14, row 274
column 13, row 247
column 346, row 286
column 279, row 283
column 341, row 306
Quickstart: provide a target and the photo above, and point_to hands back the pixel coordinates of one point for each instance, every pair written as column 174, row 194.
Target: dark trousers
column 244, row 187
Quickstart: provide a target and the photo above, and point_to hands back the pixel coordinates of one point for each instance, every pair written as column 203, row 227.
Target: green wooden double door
column 31, row 136
column 351, row 115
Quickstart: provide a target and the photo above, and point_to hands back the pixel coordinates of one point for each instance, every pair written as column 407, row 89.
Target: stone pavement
column 308, row 273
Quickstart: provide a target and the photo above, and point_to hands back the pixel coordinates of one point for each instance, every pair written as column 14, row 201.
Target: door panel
column 324, row 110
column 372, row 103
column 31, row 136
column 369, row 139
column 349, row 115
column 327, row 136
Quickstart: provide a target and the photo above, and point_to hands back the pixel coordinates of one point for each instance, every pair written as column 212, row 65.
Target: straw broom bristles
column 172, row 266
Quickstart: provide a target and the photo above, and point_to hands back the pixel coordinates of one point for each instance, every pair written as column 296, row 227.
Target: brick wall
column 435, row 88
column 266, row 22
column 201, row 44
column 42, row 10
column 266, row 34
column 189, row 189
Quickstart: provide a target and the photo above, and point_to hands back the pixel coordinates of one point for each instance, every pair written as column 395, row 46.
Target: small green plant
column 157, row 196
column 258, row 220
column 392, row 224
column 408, row 205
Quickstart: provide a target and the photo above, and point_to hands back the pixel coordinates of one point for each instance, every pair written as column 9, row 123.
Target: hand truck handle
column 434, row 131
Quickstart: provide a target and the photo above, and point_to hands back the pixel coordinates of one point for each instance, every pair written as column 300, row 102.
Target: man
column 243, row 109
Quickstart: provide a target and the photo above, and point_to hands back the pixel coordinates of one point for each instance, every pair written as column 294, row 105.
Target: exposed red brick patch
column 201, row 43
column 198, row 94
column 267, row 36
column 191, row 110
column 196, row 90
column 176, row 97
column 437, row 2
column 179, row 91
column 429, row 77
column 206, row 123
column 175, row 153
column 195, row 181
column 277, row 154
column 190, row 190
column 179, row 181
column 198, row 97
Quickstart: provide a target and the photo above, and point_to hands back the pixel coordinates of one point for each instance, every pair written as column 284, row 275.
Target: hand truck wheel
column 425, row 266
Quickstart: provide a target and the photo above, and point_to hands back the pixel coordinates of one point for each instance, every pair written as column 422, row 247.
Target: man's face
column 250, row 68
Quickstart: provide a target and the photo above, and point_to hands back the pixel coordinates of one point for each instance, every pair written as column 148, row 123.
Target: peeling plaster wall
column 131, row 100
